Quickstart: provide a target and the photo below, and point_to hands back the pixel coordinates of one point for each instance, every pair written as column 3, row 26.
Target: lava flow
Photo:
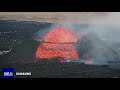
column 59, row 42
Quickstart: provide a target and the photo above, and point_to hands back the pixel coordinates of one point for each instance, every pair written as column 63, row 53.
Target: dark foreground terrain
column 16, row 38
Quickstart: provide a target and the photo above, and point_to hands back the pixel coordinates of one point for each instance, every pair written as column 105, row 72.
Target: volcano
column 58, row 42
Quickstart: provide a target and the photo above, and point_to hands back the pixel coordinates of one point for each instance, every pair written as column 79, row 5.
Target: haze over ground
column 51, row 16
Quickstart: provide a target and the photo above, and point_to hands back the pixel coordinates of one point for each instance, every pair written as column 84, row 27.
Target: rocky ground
column 21, row 56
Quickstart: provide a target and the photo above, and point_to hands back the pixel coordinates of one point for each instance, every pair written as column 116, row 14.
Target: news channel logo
column 8, row 73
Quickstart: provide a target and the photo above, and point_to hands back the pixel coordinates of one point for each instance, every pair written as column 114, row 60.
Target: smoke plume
column 103, row 33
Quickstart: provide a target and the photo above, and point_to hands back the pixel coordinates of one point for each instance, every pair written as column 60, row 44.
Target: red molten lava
column 59, row 42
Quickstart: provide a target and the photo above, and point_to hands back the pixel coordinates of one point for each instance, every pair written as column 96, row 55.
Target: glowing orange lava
column 59, row 42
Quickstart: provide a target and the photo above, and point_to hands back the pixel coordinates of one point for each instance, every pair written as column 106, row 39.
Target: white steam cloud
column 104, row 34
column 104, row 37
